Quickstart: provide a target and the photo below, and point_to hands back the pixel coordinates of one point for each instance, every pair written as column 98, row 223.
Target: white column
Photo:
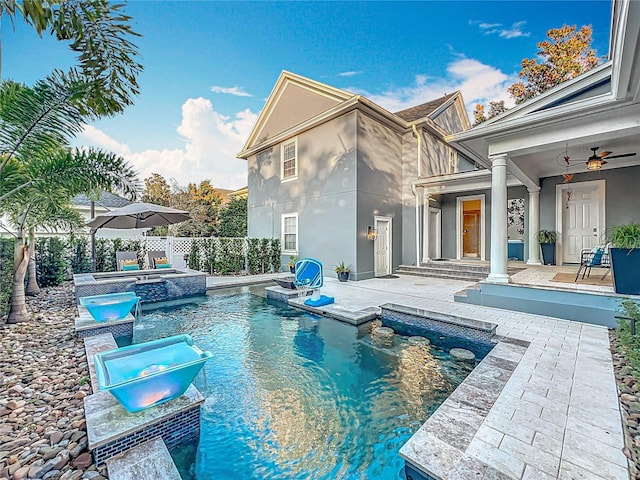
column 498, row 220
column 534, row 226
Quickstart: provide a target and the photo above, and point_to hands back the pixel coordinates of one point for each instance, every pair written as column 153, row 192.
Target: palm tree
column 100, row 33
column 39, row 173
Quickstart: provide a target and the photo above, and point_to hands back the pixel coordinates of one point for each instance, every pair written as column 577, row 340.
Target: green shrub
column 265, row 255
column 6, row 273
column 253, row 256
column 276, row 255
column 210, row 249
column 630, row 344
column 194, row 256
column 626, row 236
column 50, row 261
column 78, row 254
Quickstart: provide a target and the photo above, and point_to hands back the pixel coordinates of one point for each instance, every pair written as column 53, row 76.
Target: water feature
column 294, row 395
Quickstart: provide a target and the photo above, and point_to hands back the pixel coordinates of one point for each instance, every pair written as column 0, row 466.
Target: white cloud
column 514, row 31
column 479, row 83
column 350, row 73
column 237, row 91
column 211, row 142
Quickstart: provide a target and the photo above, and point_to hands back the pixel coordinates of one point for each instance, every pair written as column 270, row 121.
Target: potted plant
column 547, row 241
column 625, row 258
column 292, row 263
column 343, row 271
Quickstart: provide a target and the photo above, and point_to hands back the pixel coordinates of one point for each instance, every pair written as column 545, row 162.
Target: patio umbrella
column 139, row 215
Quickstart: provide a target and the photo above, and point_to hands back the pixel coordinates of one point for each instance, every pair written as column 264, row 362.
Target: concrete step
column 450, row 274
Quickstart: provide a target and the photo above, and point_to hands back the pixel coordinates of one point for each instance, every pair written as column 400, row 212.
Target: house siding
column 380, row 186
column 450, row 120
column 296, row 105
column 323, row 195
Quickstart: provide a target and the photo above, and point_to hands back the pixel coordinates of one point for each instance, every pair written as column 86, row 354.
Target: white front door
column 382, row 246
column 583, row 224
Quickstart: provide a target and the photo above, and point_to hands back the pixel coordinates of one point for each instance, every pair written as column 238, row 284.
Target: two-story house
column 334, row 175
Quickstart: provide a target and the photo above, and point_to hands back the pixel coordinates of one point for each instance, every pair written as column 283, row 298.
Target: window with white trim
column 289, row 159
column 290, row 233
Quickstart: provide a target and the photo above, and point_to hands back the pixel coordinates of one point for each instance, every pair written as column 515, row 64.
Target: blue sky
column 209, row 66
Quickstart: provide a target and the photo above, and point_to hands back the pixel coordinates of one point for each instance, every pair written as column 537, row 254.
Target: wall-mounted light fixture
column 372, row 233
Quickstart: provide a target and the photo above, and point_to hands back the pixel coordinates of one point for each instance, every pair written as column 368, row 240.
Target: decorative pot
column 548, row 253
column 625, row 268
column 343, row 276
column 292, row 269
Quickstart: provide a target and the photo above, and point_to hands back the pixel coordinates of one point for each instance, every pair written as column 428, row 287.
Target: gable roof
column 106, row 200
column 421, row 111
column 327, row 95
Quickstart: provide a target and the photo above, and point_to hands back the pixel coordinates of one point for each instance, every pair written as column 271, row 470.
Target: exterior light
column 595, row 163
column 372, row 233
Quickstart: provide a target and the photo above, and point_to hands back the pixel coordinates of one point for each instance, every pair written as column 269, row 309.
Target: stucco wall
column 621, row 196
column 323, row 195
column 380, row 187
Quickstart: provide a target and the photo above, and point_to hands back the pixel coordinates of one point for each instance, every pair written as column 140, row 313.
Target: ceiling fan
column 595, row 161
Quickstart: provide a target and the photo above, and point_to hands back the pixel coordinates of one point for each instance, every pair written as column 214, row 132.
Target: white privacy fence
column 177, row 248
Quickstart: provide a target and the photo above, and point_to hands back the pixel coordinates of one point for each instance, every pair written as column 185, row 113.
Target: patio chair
column 309, row 276
column 127, row 259
column 153, row 255
column 593, row 257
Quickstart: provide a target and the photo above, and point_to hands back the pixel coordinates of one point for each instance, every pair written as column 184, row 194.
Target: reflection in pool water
column 293, row 395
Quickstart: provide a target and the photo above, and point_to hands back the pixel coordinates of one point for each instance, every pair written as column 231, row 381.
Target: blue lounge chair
column 309, row 276
column 593, row 257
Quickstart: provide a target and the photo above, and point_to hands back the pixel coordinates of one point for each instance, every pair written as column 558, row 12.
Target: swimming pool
column 293, row 395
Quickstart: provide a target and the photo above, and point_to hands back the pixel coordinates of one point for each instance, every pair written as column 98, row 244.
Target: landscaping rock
column 41, row 400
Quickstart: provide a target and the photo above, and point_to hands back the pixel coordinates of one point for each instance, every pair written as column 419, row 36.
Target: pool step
column 148, row 461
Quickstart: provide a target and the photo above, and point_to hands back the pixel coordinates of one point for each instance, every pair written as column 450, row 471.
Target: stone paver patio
column 558, row 415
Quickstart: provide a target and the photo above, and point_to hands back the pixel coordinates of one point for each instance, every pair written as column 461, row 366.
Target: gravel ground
column 43, row 380
column 629, row 395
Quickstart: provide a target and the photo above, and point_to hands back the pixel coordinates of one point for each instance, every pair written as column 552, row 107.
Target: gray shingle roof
column 107, row 200
column 420, row 111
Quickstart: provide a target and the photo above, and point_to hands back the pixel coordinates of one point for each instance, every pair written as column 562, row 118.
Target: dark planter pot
column 625, row 267
column 343, row 276
column 292, row 269
column 548, row 253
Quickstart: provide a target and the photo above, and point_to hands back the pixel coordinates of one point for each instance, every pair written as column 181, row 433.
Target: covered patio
column 554, row 146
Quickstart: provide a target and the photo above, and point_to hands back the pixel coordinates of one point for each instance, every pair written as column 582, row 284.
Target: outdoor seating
column 156, row 257
column 127, row 259
column 594, row 257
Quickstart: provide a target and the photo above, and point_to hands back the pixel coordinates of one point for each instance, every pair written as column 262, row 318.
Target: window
column 290, row 233
column 289, row 155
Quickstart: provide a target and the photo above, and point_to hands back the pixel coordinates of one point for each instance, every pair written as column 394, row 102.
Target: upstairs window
column 289, row 155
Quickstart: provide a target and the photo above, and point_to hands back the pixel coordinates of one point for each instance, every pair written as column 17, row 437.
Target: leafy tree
column 202, row 202
column 100, row 33
column 566, row 54
column 233, row 218
column 156, row 190
column 495, row 108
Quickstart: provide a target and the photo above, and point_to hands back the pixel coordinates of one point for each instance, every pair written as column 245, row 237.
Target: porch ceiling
column 537, row 151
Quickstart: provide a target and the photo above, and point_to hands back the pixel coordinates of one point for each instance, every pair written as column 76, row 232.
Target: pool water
column 291, row 395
